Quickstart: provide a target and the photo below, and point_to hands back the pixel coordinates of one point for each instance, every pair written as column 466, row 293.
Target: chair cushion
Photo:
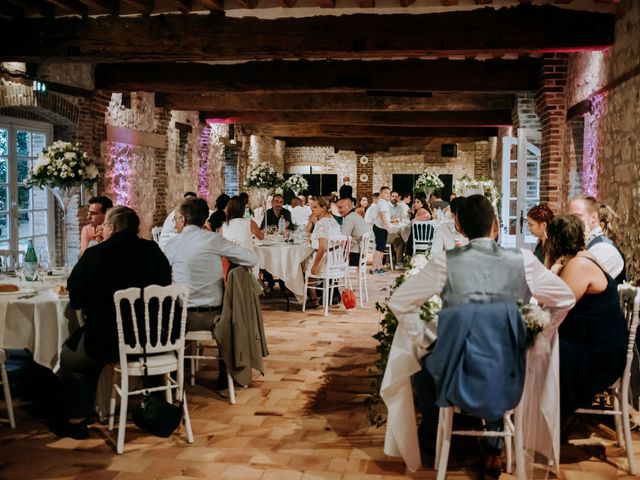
column 156, row 364
column 199, row 335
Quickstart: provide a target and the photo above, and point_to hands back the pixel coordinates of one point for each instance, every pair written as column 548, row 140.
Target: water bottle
column 281, row 224
column 30, row 264
column 247, row 213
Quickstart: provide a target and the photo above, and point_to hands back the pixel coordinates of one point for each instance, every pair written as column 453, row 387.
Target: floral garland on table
column 63, row 165
column 428, row 180
column 376, row 413
column 296, row 183
column 263, row 175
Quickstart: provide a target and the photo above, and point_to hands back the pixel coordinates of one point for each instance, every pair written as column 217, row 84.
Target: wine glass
column 17, row 268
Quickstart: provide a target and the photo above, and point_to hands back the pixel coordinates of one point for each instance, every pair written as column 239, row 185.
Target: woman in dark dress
column 538, row 219
column 593, row 336
column 121, row 261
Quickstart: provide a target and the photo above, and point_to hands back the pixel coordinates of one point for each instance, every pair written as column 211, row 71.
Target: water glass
column 17, row 268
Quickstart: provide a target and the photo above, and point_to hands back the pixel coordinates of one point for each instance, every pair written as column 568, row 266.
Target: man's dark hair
column 221, row 201
column 195, row 211
column 105, row 202
column 396, row 192
column 277, row 195
column 476, row 216
column 437, row 193
column 190, row 194
column 245, row 197
column 454, row 204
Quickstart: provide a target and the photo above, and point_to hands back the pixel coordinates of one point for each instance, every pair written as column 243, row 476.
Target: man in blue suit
column 481, row 272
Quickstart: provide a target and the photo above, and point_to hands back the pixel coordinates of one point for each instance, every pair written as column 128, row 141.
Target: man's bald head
column 345, row 205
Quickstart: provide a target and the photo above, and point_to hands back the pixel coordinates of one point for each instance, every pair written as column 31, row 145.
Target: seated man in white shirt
column 599, row 245
column 447, row 235
column 168, row 227
column 354, row 226
column 299, row 214
column 480, row 272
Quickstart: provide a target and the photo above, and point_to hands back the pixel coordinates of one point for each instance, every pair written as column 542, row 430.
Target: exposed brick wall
column 231, row 184
column 551, row 108
column 364, row 188
column 611, row 147
column 524, row 113
column 482, row 165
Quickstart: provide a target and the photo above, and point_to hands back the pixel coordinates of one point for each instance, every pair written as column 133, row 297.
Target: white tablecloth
column 285, row 261
column 40, row 324
column 402, row 230
column 539, row 405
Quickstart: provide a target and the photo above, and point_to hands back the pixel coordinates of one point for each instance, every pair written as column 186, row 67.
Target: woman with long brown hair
column 538, row 219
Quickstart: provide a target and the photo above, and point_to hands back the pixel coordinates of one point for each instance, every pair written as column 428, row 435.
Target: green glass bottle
column 30, row 264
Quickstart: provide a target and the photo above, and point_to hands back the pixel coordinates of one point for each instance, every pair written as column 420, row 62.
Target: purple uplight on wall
column 591, row 146
column 120, row 158
column 203, row 169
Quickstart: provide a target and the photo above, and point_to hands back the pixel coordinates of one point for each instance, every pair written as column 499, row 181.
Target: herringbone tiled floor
column 304, row 419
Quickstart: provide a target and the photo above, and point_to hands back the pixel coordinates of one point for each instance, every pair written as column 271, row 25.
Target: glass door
column 520, row 186
column 25, row 213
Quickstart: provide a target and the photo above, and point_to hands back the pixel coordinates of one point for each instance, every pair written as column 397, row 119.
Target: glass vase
column 63, row 196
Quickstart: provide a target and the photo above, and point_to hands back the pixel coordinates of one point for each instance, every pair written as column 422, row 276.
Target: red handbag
column 348, row 299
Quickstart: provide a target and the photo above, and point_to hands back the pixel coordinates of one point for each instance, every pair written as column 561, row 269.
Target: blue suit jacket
column 478, row 362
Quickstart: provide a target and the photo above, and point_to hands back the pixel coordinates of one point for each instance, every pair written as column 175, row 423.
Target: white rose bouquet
column 535, row 320
column 263, row 175
column 428, row 180
column 63, row 164
column 296, row 183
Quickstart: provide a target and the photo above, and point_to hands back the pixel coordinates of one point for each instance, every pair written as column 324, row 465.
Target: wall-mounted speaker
column 449, row 150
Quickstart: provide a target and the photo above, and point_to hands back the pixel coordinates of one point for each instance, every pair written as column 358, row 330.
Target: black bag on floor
column 155, row 415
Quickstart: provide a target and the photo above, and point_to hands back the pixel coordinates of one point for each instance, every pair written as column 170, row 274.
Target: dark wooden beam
column 145, row 7
column 249, row 101
column 519, row 29
column 73, row 6
column 336, row 76
column 288, row 3
column 366, row 3
column 408, row 145
column 477, row 118
column 326, row 3
column 10, row 12
column 112, row 7
column 406, row 3
column 214, row 5
column 365, row 131
column 183, row 5
column 43, row 8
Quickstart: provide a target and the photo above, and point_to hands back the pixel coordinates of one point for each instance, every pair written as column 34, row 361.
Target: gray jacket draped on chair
column 478, row 362
column 239, row 329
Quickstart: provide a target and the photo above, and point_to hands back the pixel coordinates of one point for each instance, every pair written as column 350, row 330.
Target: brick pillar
column 161, row 179
column 551, row 108
column 482, row 168
column 231, row 183
column 364, row 188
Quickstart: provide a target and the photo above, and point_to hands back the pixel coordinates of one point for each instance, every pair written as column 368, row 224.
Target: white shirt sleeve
column 608, row 257
column 168, row 229
column 407, row 298
column 547, row 288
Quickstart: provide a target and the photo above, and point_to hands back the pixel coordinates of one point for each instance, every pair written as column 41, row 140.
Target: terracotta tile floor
column 303, row 420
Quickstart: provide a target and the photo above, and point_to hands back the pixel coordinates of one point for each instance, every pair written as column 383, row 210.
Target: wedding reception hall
column 319, row 239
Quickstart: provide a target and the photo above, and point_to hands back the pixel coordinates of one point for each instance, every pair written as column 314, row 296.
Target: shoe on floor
column 77, row 431
column 379, row 271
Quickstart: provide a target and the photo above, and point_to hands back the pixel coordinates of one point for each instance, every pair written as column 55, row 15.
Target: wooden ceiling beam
column 10, row 12
column 73, row 6
column 112, row 7
column 487, row 118
column 484, row 31
column 214, row 5
column 248, row 101
column 312, row 76
column 184, row 6
column 43, row 8
column 366, row 3
column 409, row 145
column 364, row 131
column 146, row 7
column 326, row 3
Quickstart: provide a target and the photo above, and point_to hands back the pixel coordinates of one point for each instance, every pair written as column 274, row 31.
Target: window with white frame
column 25, row 213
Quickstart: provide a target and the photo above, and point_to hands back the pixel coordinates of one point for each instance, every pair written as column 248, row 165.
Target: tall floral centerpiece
column 296, row 183
column 63, row 168
column 263, row 178
column 427, row 182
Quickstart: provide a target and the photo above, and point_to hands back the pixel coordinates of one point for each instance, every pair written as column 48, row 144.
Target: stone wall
column 610, row 81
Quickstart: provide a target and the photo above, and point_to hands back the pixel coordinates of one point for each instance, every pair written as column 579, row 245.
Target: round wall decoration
column 364, row 177
column 364, row 160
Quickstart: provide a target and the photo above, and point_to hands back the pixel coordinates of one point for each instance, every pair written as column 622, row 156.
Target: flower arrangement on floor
column 296, row 183
column 377, row 414
column 263, row 175
column 63, row 165
column 427, row 182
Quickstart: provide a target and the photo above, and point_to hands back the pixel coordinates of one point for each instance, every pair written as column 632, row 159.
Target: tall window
column 25, row 213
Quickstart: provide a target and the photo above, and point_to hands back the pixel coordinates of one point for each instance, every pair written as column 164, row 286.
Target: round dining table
column 285, row 261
